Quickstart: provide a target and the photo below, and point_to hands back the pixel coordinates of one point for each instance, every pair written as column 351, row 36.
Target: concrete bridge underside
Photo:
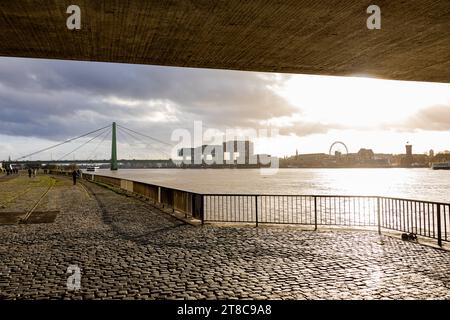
column 294, row 36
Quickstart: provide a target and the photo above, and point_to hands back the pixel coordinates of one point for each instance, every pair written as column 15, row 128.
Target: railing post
column 379, row 215
column 315, row 213
column 256, row 208
column 438, row 220
column 159, row 194
column 202, row 209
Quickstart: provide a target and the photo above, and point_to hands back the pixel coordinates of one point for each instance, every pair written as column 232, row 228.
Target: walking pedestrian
column 74, row 177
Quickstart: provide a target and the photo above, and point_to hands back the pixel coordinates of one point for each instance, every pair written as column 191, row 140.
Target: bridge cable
column 81, row 146
column 146, row 143
column 141, row 140
column 144, row 135
column 59, row 144
column 98, row 144
column 125, row 136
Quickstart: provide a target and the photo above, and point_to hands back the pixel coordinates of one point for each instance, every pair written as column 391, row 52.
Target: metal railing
column 424, row 218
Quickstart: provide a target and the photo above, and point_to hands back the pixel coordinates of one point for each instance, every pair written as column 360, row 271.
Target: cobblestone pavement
column 127, row 249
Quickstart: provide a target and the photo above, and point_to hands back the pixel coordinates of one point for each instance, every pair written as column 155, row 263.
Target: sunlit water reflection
column 421, row 184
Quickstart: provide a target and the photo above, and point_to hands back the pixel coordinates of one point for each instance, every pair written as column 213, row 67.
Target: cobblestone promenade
column 127, row 249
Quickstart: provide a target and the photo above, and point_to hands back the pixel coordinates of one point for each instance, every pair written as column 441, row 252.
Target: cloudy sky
column 43, row 102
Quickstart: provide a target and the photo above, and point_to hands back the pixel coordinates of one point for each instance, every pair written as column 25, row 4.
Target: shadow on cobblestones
column 128, row 249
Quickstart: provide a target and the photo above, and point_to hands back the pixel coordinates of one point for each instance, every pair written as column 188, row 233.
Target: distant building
column 442, row 157
column 431, row 153
column 314, row 156
column 365, row 154
column 407, row 160
column 364, row 158
column 408, row 150
column 233, row 152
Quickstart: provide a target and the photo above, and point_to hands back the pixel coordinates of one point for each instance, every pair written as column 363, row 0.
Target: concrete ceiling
column 295, row 36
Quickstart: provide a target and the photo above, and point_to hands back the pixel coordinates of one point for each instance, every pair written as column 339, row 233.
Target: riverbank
column 129, row 249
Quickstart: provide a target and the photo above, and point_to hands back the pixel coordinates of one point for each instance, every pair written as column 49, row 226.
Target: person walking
column 29, row 172
column 74, row 177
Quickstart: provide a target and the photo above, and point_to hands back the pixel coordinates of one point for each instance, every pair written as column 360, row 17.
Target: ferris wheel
column 338, row 147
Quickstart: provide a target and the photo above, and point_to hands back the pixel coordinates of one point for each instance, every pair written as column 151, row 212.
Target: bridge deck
column 296, row 36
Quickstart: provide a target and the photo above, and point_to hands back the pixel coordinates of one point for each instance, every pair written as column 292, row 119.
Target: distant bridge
column 100, row 134
column 294, row 36
column 132, row 162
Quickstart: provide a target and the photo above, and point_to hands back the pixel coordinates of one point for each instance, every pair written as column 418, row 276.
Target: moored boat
column 441, row 166
column 92, row 169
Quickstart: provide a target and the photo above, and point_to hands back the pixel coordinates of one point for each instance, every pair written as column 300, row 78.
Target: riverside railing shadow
column 423, row 218
column 187, row 202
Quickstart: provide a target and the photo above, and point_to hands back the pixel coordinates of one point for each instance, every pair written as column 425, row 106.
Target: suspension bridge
column 97, row 138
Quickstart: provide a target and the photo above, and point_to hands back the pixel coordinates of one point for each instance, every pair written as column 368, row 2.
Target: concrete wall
column 179, row 200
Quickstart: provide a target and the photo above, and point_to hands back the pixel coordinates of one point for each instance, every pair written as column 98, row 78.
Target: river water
column 420, row 184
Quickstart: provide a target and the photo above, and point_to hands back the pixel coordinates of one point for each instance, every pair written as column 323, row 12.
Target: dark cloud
column 55, row 99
